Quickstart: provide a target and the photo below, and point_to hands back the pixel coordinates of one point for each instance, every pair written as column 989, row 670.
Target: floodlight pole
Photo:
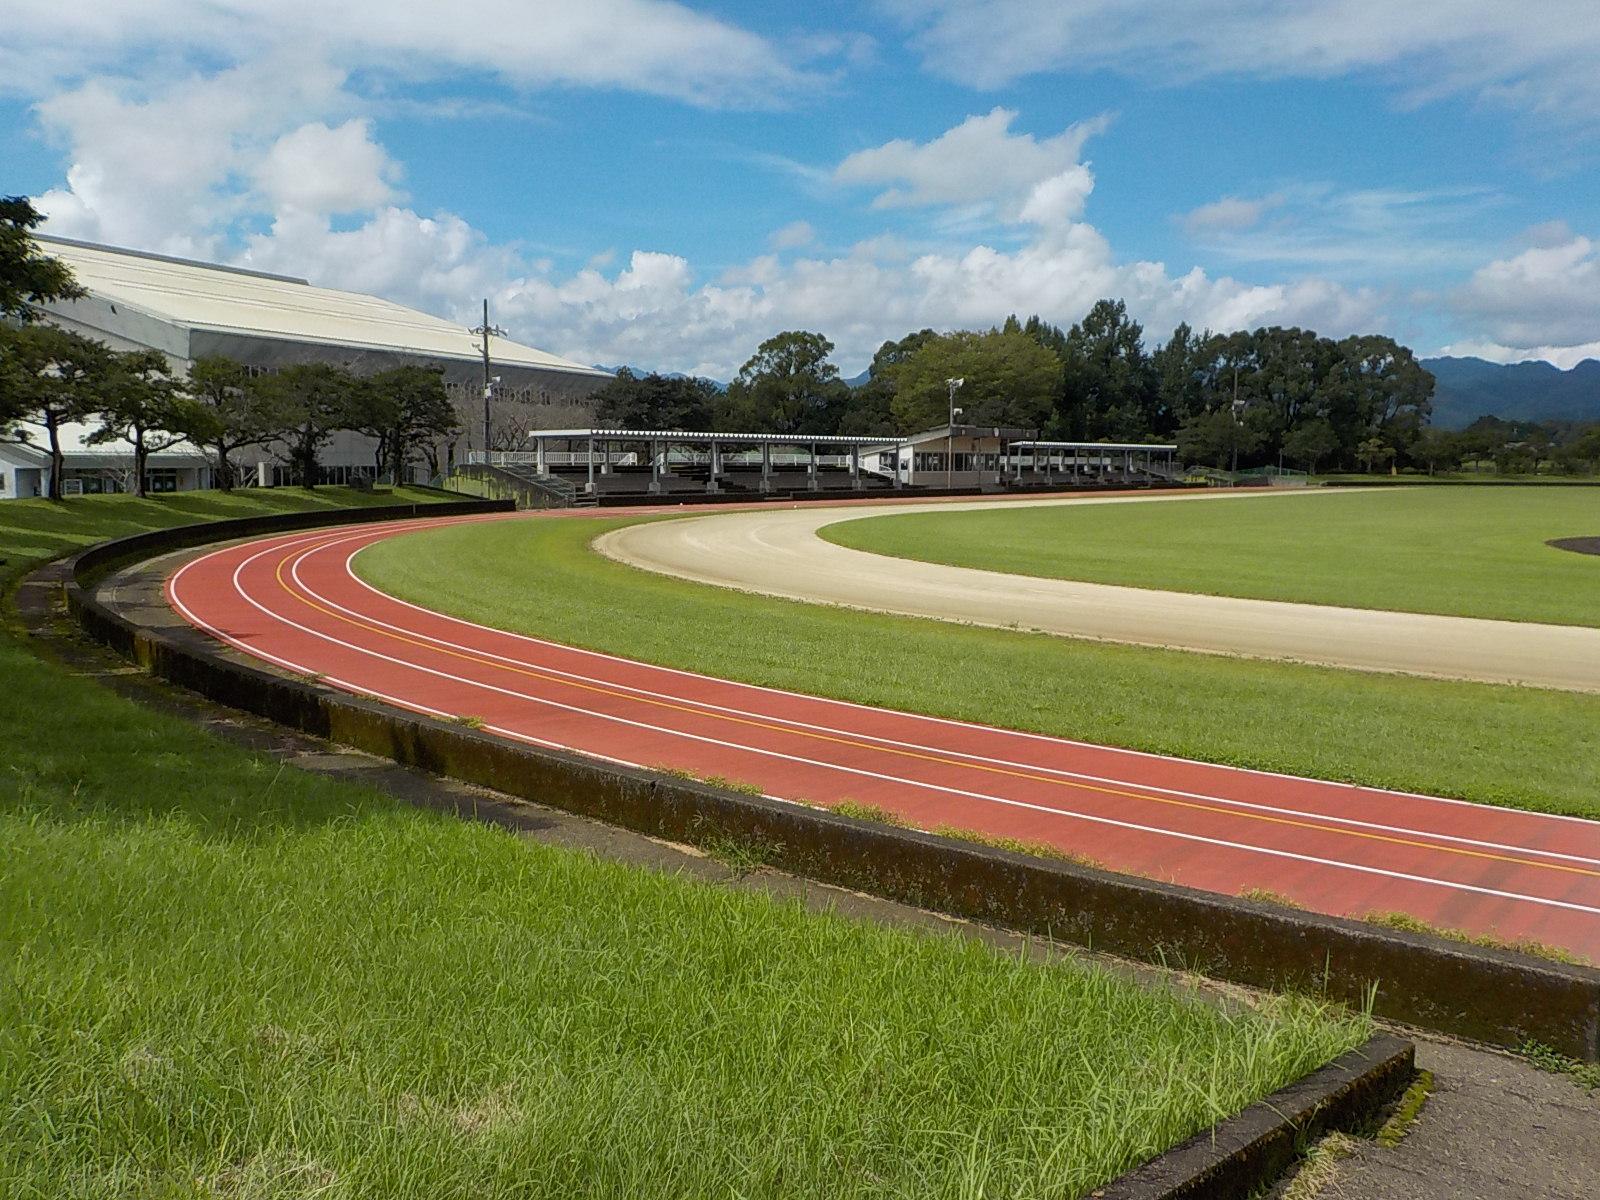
column 950, row 435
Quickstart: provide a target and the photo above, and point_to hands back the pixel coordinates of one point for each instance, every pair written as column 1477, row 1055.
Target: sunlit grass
column 1461, row 551
column 221, row 977
column 1512, row 746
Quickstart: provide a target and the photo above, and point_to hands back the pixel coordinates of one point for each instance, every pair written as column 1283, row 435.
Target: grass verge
column 221, row 977
column 1472, row 552
column 1512, row 746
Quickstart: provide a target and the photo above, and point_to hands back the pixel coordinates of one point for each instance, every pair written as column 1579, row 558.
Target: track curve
column 777, row 552
column 294, row 601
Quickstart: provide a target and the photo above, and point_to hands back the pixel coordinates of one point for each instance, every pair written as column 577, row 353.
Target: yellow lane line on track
column 547, row 677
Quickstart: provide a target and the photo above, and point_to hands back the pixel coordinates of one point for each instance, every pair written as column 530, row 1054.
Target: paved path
column 294, row 601
column 777, row 552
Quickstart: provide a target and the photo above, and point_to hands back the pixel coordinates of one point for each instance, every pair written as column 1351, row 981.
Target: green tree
column 1311, row 443
column 870, row 410
column 1108, row 387
column 52, row 377
column 788, row 386
column 239, row 415
column 307, row 403
column 1179, row 367
column 1438, row 448
column 407, row 410
column 1374, row 451
column 144, row 405
column 656, row 401
column 1219, row 437
column 1009, row 379
column 28, row 276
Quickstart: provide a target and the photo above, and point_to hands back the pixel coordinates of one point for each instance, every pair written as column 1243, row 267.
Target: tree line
column 1271, row 395
column 1513, row 447
column 52, row 377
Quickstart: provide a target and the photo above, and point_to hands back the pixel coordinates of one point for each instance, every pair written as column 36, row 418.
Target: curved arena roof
column 208, row 296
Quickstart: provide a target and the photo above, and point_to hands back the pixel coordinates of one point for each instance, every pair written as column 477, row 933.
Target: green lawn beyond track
column 224, row 979
column 1513, row 746
column 1464, row 551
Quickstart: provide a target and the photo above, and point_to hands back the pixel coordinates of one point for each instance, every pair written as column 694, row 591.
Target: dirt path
column 778, row 553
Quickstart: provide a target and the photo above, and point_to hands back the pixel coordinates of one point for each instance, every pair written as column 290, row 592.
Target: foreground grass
column 224, row 978
column 1509, row 746
column 1476, row 552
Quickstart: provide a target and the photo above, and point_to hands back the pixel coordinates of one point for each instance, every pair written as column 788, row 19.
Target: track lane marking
column 712, row 710
column 540, row 673
column 914, row 784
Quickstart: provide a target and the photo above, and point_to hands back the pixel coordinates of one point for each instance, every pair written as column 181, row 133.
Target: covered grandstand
column 674, row 462
column 621, row 466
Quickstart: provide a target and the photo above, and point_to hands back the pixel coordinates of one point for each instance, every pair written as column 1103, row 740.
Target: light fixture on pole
column 950, row 433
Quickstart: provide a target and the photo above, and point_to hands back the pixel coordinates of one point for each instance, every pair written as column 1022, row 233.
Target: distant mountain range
column 1469, row 388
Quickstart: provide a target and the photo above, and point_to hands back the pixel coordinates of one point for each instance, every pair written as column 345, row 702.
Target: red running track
column 294, row 601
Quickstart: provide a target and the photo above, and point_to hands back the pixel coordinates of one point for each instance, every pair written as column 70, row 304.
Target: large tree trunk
column 224, row 476
column 57, row 459
column 306, row 452
column 139, row 460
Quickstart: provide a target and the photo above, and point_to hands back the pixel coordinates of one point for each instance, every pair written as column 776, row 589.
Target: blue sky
column 631, row 180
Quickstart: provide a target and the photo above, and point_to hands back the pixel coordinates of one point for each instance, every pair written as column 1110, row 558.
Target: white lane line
column 913, row 784
column 712, row 709
column 1258, row 773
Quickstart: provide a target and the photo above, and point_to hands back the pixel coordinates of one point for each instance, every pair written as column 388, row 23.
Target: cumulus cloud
column 1538, row 302
column 651, row 308
column 1537, row 58
column 657, row 309
column 327, row 170
column 153, row 167
column 981, row 162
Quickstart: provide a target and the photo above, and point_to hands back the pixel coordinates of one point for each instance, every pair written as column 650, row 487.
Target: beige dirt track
column 777, row 552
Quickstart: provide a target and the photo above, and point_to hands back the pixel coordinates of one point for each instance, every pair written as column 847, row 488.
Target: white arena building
column 189, row 310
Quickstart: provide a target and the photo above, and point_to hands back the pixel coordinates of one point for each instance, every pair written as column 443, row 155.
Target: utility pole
column 485, row 331
column 1238, row 419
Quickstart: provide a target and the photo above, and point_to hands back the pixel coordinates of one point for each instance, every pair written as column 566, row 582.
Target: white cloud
column 981, row 162
column 1228, row 214
column 1532, row 57
column 792, row 236
column 656, row 308
column 327, row 170
column 1539, row 302
column 152, row 167
column 651, row 46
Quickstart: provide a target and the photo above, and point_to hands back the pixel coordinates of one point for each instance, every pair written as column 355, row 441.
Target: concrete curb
column 1243, row 1154
column 1493, row 996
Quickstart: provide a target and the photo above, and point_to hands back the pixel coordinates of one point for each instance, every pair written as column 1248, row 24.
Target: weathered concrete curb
column 1244, row 1153
column 1494, row 996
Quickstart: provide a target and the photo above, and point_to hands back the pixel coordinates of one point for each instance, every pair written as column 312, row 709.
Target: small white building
column 90, row 469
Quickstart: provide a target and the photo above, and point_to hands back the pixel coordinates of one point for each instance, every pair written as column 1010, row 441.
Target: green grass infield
column 1512, row 746
column 222, row 977
column 1461, row 551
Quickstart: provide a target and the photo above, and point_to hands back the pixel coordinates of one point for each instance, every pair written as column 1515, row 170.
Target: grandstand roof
column 212, row 297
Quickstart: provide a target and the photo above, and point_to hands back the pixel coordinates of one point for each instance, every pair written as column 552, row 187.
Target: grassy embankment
column 223, row 978
column 1471, row 552
column 1513, row 746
